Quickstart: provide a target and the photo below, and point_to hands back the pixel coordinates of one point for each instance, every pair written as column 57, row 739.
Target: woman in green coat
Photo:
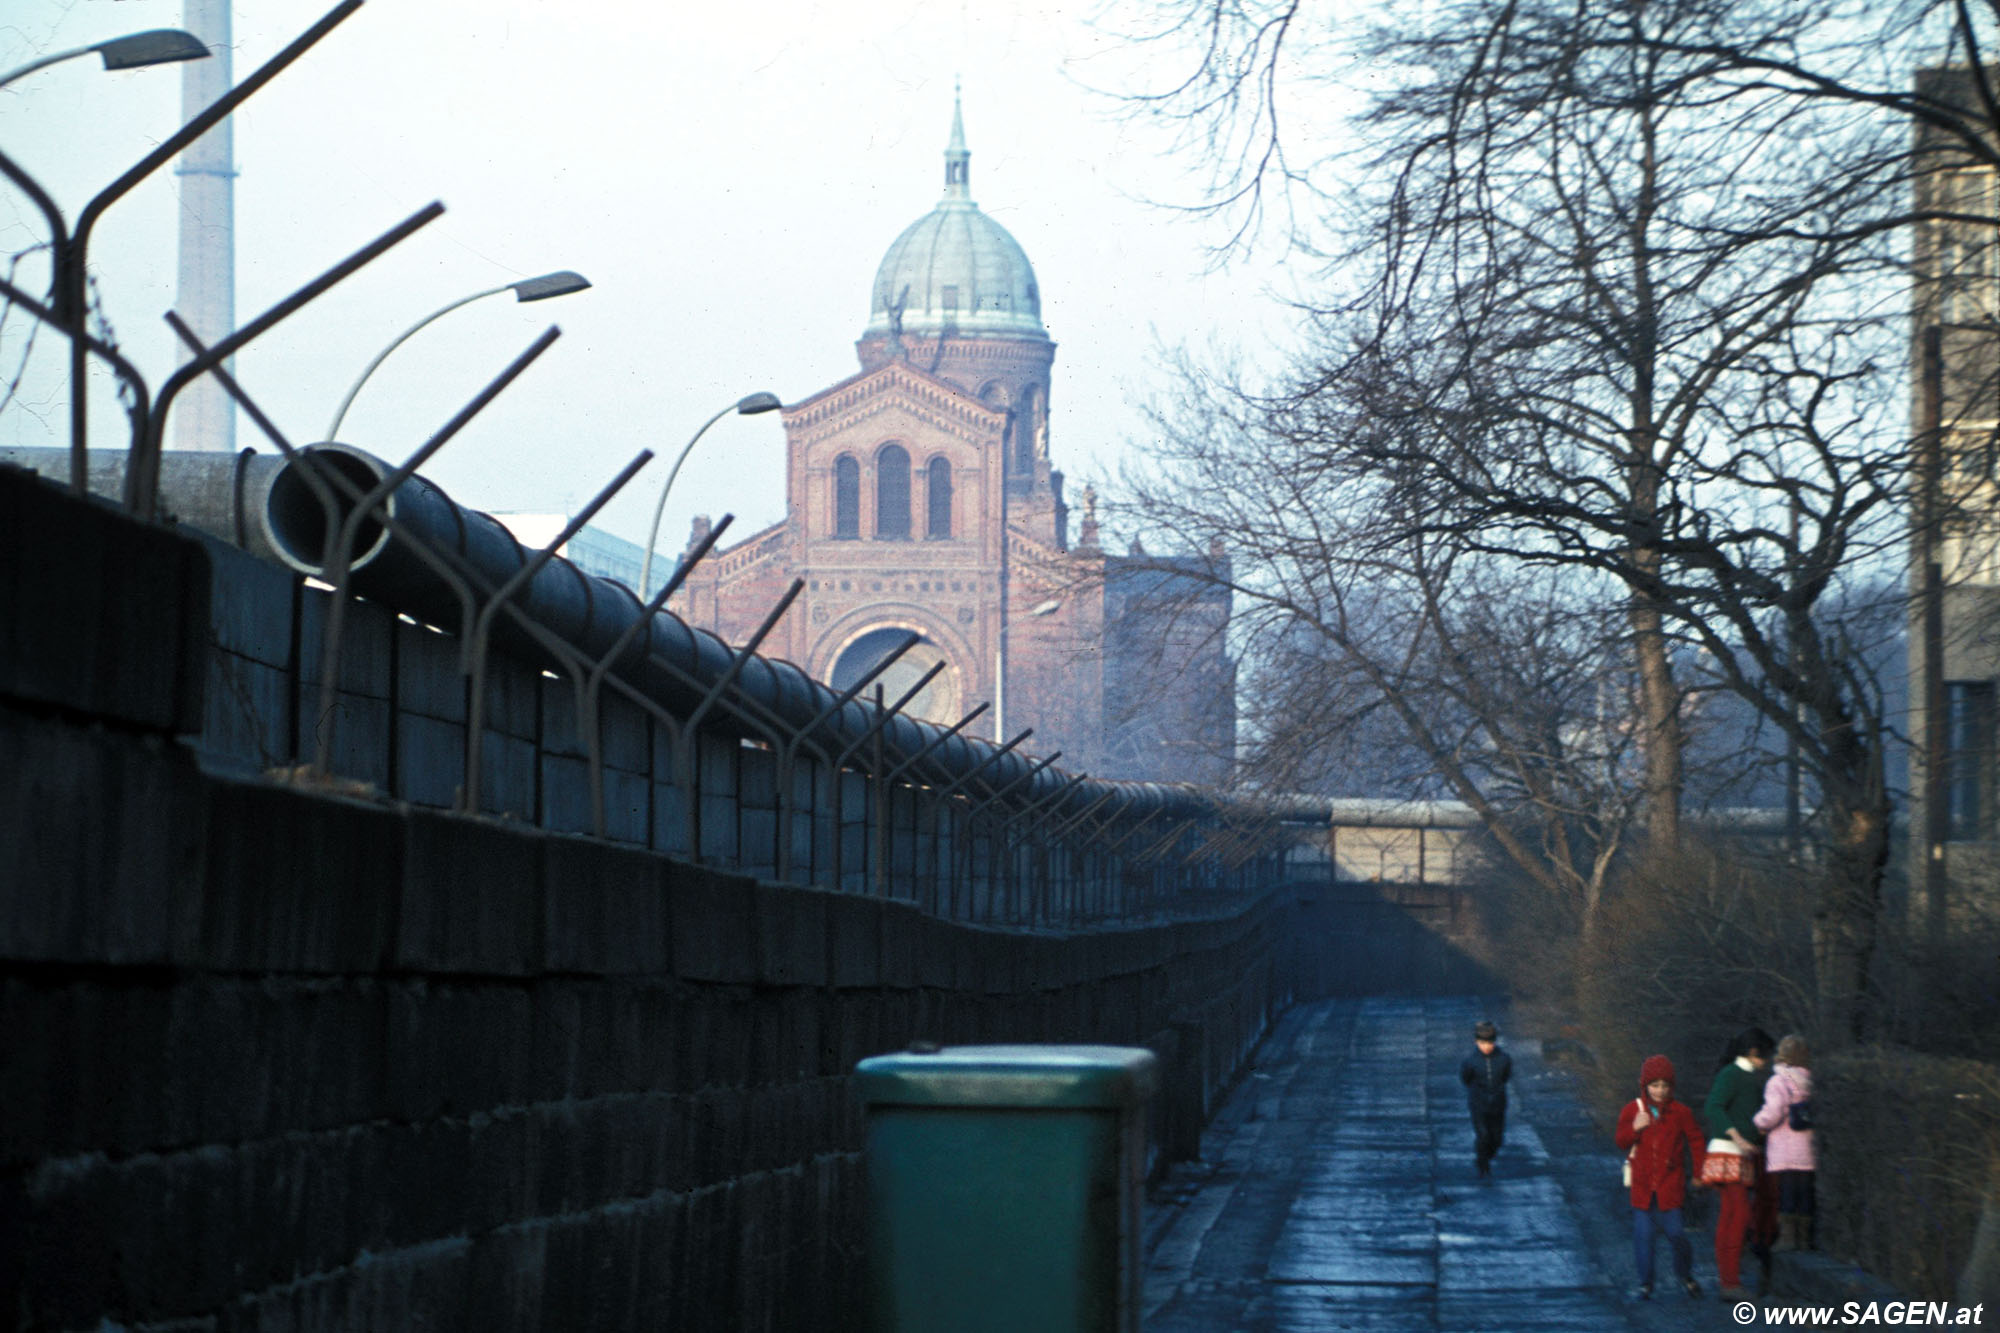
column 1734, row 1099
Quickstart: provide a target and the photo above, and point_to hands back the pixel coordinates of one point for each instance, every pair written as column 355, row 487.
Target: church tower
column 913, row 486
column 956, row 297
column 920, row 498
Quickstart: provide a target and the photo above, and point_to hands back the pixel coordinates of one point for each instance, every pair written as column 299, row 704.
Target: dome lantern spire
column 957, row 161
column 955, row 271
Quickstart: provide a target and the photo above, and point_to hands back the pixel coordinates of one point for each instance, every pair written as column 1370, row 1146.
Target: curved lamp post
column 156, row 46
column 68, row 309
column 749, row 407
column 560, row 283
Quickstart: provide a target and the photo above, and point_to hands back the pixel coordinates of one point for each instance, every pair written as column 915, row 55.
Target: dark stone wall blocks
column 361, row 1064
column 715, row 928
column 791, row 935
column 289, row 1055
column 134, row 660
column 295, row 882
column 605, row 910
column 471, row 899
column 102, row 840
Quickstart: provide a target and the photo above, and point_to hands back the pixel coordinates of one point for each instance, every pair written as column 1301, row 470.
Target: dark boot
column 1788, row 1232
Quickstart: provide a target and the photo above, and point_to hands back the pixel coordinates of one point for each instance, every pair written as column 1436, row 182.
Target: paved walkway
column 1337, row 1191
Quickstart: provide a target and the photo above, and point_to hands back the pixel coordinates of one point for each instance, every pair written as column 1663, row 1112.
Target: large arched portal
column 936, row 702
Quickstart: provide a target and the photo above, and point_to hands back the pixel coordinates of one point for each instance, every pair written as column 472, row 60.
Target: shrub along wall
column 1907, row 1146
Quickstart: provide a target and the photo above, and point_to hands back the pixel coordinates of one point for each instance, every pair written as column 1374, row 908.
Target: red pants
column 1748, row 1213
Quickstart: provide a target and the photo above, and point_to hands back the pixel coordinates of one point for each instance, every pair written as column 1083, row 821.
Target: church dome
column 956, row 271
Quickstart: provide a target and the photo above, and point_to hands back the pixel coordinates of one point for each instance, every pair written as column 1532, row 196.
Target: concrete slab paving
column 1337, row 1192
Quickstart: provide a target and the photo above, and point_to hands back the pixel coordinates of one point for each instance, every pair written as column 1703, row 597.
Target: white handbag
column 1640, row 1103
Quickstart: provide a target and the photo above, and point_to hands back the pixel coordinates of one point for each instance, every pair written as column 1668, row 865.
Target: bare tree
column 1619, row 308
column 1491, row 686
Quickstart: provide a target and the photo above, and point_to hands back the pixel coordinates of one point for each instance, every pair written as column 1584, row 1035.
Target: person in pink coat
column 1788, row 1148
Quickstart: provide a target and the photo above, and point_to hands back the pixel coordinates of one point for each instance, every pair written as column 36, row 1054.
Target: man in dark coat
column 1485, row 1073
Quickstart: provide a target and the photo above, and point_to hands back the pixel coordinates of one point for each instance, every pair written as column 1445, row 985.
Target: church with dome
column 921, row 497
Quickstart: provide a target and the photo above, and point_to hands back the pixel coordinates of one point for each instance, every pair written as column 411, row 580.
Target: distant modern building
column 592, row 550
column 922, row 497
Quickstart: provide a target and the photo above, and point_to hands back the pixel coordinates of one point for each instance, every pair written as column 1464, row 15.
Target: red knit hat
column 1655, row 1068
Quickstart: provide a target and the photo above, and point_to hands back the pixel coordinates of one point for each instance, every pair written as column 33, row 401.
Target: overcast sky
column 728, row 175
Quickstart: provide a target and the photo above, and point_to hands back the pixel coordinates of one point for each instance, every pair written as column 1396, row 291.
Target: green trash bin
column 1004, row 1187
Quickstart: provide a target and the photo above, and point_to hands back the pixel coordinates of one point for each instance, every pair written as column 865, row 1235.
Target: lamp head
column 561, row 283
column 156, row 46
column 758, row 402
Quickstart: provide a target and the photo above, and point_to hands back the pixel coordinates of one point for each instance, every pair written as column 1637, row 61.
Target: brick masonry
column 1119, row 662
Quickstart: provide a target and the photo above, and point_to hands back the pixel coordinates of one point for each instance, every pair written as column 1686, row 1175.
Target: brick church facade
column 921, row 497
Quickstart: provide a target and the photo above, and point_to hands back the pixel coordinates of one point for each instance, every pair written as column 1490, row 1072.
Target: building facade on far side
column 921, row 497
column 1954, row 627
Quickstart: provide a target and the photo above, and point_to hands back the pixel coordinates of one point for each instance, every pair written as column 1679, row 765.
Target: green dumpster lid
column 1022, row 1076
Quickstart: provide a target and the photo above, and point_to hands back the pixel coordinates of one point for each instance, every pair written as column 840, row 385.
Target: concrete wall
column 285, row 1056
column 1347, row 938
column 399, row 723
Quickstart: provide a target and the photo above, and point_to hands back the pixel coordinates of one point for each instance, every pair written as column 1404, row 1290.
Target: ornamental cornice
column 994, row 349
column 931, row 401
column 955, row 427
column 752, row 550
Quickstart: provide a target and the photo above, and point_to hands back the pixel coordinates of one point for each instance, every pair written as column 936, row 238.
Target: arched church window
column 846, row 497
column 892, row 493
column 937, row 496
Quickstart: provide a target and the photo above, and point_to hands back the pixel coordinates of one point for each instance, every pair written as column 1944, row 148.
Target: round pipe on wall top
column 593, row 615
column 224, row 495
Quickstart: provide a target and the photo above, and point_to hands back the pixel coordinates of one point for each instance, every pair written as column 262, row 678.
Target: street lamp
column 156, row 46
column 69, row 246
column 749, row 407
column 560, row 283
column 66, row 248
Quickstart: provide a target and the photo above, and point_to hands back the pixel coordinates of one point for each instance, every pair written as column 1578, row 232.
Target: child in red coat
column 1653, row 1129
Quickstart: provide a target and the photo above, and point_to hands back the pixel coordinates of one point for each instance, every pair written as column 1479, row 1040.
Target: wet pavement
column 1337, row 1191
